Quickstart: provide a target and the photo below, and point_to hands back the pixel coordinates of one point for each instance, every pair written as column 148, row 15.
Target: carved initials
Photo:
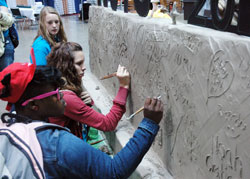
column 224, row 163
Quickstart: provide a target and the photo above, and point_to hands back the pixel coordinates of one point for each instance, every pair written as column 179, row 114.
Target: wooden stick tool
column 93, row 143
column 139, row 110
column 108, row 76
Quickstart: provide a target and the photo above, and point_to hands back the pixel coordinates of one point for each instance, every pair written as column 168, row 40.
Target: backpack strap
column 32, row 54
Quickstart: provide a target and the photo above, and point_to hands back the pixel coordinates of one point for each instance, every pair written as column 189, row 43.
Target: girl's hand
column 86, row 98
column 153, row 109
column 123, row 76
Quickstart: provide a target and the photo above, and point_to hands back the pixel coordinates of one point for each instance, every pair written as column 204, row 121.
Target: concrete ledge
column 203, row 76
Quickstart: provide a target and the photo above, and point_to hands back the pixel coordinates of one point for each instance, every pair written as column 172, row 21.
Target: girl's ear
column 33, row 106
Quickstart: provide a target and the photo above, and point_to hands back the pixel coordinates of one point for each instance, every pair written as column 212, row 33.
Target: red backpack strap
column 8, row 106
column 33, row 58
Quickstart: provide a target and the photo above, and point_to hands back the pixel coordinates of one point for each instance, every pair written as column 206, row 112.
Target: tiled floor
column 76, row 31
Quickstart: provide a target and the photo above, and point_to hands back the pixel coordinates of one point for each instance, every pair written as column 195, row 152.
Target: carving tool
column 108, row 76
column 139, row 110
column 136, row 112
column 93, row 143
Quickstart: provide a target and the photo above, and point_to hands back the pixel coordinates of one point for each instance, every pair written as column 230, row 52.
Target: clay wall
column 203, row 76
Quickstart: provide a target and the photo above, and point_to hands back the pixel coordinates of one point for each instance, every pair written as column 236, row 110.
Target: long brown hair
column 42, row 31
column 62, row 57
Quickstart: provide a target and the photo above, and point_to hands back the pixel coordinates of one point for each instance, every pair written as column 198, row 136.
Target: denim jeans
column 8, row 56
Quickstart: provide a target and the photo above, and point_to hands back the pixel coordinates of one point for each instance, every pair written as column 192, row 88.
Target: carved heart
column 221, row 75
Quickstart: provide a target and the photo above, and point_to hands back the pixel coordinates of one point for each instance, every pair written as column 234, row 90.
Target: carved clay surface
column 203, row 77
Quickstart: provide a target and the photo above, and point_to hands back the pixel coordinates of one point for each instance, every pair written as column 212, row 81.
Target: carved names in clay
column 203, row 77
column 224, row 163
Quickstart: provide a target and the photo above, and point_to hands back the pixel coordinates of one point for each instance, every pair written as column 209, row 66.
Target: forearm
column 92, row 118
column 127, row 160
column 85, row 161
column 116, row 111
column 77, row 110
column 110, row 120
column 121, row 96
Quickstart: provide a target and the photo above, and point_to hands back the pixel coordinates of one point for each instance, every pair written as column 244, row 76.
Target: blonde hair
column 42, row 31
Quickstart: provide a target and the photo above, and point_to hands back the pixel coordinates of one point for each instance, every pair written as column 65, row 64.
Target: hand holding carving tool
column 139, row 110
column 108, row 76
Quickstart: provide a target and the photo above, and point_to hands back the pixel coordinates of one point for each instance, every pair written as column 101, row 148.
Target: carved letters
column 234, row 124
column 223, row 163
column 187, row 70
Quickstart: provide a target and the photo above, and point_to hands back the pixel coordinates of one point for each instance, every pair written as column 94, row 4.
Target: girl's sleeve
column 80, row 160
column 77, row 110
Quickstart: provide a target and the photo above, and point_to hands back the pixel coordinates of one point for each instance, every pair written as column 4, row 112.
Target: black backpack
column 14, row 35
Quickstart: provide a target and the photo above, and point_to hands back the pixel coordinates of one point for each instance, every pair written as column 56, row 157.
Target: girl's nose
column 83, row 68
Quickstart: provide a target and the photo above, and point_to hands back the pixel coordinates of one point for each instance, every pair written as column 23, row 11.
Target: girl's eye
column 80, row 63
column 51, row 22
